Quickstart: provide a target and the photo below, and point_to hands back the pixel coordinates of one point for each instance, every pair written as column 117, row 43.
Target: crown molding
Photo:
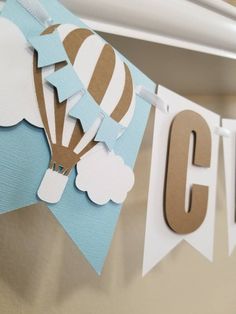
column 202, row 25
column 218, row 6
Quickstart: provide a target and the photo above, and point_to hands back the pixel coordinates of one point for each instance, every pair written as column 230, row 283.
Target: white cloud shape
column 104, row 176
column 18, row 100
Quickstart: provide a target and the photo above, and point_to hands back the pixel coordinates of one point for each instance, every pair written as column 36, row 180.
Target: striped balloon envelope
column 105, row 76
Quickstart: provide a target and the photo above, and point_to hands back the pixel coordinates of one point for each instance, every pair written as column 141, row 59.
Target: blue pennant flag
column 66, row 82
column 109, row 132
column 86, row 111
column 50, row 49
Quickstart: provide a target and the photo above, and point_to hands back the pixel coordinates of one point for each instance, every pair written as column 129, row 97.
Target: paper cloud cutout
column 17, row 93
column 104, row 176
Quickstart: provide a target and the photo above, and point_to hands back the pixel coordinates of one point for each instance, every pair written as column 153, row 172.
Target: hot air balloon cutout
column 86, row 96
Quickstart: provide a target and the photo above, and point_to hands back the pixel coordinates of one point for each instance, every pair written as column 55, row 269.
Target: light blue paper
column 86, row 110
column 25, row 156
column 50, row 49
column 108, row 132
column 66, row 82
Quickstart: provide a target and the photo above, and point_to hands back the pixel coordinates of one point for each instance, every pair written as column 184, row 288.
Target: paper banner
column 160, row 237
column 230, row 180
column 25, row 154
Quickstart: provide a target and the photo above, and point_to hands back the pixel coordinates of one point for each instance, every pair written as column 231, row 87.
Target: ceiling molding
column 200, row 25
column 218, row 6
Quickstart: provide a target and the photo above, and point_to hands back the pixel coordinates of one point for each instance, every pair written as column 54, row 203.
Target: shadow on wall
column 24, row 253
column 38, row 260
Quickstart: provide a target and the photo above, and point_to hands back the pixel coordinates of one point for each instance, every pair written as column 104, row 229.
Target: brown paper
column 178, row 219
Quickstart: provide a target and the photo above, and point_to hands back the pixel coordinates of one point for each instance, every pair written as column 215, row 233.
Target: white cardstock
column 52, row 186
column 230, row 173
column 104, row 176
column 159, row 238
column 17, row 93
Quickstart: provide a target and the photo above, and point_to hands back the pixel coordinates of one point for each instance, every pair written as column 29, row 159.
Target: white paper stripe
column 115, row 88
column 84, row 65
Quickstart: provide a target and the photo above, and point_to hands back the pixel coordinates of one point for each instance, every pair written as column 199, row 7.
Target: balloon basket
column 52, row 186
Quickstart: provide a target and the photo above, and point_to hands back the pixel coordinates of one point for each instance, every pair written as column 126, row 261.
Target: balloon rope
column 35, row 8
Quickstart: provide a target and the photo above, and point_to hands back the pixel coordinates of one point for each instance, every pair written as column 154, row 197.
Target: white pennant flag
column 160, row 239
column 230, row 173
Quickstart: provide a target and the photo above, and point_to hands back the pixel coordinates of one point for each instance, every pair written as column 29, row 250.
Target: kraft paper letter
column 160, row 239
column 180, row 219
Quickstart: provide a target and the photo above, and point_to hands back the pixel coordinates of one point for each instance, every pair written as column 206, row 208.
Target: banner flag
column 182, row 191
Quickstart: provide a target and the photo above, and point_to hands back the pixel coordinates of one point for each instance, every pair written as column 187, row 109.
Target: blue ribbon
column 50, row 49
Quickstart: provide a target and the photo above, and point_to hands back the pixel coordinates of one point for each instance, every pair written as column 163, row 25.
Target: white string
column 35, row 8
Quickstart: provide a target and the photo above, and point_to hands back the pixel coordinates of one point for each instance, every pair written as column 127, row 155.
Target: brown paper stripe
column 102, row 74
column 72, row 44
column 123, row 106
column 98, row 86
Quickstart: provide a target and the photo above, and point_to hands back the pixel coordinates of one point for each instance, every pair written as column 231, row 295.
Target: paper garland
column 181, row 203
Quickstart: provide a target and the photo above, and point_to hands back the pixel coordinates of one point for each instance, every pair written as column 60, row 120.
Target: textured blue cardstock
column 66, row 82
column 108, row 132
column 25, row 155
column 87, row 111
